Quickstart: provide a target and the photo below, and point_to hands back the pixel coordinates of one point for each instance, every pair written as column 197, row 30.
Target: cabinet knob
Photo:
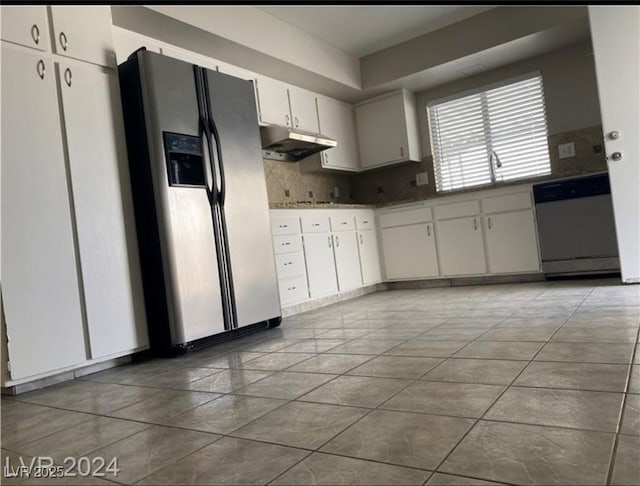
column 614, row 135
column 35, row 34
column 361, row 242
column 616, row 156
column 40, row 68
column 63, row 41
column 67, row 76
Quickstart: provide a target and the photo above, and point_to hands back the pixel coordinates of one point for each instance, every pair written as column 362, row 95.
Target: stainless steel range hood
column 292, row 144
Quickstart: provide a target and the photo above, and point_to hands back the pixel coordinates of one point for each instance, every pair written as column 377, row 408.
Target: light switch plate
column 422, row 178
column 566, row 150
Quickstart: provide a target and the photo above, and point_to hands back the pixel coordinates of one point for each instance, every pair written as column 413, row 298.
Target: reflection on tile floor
column 535, row 383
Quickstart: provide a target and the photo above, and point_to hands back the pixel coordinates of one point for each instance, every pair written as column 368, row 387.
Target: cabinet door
column 337, row 120
column 409, row 251
column 460, row 246
column 39, row 276
column 382, row 134
column 273, row 101
column 512, row 242
column 303, row 109
column 347, row 260
column 369, row 259
column 83, row 32
column 321, row 269
column 26, row 26
column 103, row 209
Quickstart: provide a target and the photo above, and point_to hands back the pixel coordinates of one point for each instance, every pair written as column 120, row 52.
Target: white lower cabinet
column 369, row 257
column 347, row 260
column 40, row 290
column 290, row 265
column 320, row 262
column 512, row 242
column 105, row 225
column 460, row 246
column 409, row 251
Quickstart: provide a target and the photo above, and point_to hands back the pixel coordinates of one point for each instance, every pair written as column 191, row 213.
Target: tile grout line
column 614, row 449
column 501, row 394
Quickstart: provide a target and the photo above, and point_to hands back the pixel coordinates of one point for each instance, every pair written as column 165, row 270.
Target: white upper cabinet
column 388, row 130
column 286, row 105
column 40, row 291
column 103, row 209
column 304, row 114
column 273, row 102
column 337, row 121
column 84, row 33
column 26, row 26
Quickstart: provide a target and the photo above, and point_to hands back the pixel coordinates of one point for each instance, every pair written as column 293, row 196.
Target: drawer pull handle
column 291, row 288
column 63, row 41
column 67, row 76
column 35, row 34
column 40, row 69
column 365, row 222
column 315, row 224
column 286, row 244
column 283, row 226
column 344, row 222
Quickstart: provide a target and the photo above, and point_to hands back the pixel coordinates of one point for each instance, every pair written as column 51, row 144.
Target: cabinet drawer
column 290, row 265
column 293, row 290
column 401, row 218
column 457, row 210
column 510, row 202
column 315, row 224
column 285, row 226
column 286, row 244
column 339, row 223
column 365, row 221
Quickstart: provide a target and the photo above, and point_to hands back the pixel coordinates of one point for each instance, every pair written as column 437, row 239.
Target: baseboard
column 320, row 302
column 463, row 281
column 64, row 376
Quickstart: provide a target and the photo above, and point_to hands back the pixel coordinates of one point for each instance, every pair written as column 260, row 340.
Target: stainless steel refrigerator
column 200, row 201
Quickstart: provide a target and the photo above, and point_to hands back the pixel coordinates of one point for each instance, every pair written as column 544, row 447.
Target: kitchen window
column 494, row 134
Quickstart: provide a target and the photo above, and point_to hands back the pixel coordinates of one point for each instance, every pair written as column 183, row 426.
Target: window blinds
column 499, row 134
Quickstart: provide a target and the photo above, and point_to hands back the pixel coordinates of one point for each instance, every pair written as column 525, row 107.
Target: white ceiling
column 361, row 30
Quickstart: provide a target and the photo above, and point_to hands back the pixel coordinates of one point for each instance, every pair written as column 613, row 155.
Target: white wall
column 570, row 89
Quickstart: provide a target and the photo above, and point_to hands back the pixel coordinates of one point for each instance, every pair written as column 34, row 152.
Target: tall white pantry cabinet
column 71, row 285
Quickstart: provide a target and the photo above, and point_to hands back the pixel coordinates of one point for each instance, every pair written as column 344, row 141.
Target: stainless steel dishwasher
column 575, row 226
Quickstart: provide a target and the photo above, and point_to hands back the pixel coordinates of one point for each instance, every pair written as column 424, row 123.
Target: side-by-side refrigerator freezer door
column 180, row 172
column 245, row 203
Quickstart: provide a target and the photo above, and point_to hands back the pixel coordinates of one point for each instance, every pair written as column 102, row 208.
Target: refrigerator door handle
column 206, row 152
column 218, row 159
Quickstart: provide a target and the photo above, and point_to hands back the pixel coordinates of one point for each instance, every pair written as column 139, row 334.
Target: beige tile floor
column 500, row 384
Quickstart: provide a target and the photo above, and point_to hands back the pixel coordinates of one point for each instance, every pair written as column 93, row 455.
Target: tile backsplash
column 398, row 183
column 286, row 184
